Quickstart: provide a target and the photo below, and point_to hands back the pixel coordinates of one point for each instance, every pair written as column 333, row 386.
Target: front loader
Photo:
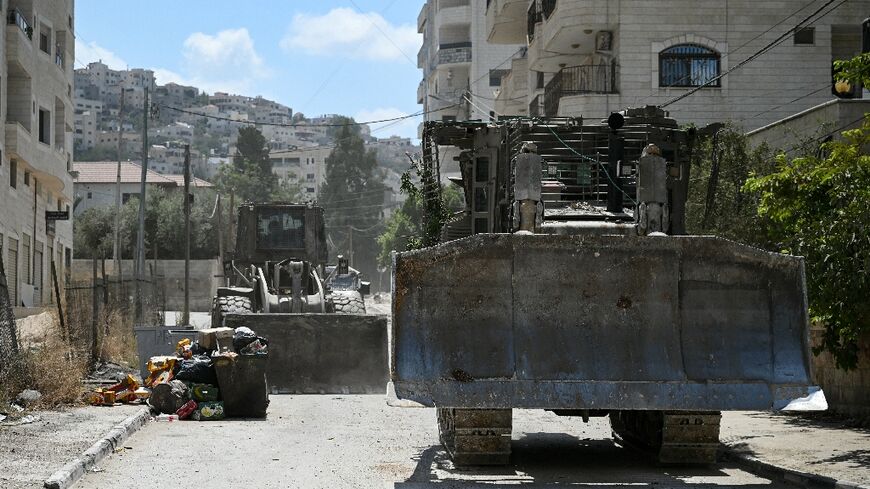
column 313, row 314
column 568, row 284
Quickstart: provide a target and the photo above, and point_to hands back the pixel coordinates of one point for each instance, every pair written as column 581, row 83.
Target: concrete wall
column 170, row 275
column 847, row 392
column 835, row 115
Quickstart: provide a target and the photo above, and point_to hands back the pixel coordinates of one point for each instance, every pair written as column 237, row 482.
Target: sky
column 350, row 57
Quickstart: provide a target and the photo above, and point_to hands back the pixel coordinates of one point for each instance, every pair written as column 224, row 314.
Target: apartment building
column 457, row 61
column 305, row 167
column 106, row 84
column 36, row 76
column 591, row 57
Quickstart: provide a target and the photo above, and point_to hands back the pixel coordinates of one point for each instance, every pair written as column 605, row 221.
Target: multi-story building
column 305, row 167
column 86, row 124
column 36, row 146
column 176, row 95
column 106, row 84
column 457, row 61
column 591, row 57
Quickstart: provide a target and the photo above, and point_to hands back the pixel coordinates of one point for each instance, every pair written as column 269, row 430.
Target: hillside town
column 462, row 243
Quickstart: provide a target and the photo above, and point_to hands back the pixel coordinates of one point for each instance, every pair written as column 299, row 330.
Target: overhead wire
column 776, row 42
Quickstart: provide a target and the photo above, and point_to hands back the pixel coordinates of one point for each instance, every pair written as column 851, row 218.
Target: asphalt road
column 358, row 441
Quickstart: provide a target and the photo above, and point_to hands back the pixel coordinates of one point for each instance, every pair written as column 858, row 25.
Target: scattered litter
column 3, row 418
column 17, row 408
column 97, row 470
column 166, row 418
column 126, row 391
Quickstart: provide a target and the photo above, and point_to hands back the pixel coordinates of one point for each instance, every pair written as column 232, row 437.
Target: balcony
column 580, row 80
column 453, row 12
column 16, row 18
column 454, row 53
column 505, row 21
column 46, row 164
column 58, row 59
column 422, row 18
column 421, row 92
column 575, row 26
column 423, row 57
column 19, row 46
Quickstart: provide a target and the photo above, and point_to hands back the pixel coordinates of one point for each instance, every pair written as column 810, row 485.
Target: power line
column 823, row 136
column 388, row 38
column 776, row 42
column 278, row 124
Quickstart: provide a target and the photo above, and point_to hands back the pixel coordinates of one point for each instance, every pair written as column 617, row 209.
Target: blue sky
column 353, row 57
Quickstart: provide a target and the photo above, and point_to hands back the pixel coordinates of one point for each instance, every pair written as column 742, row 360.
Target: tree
column 250, row 176
column 855, row 70
column 353, row 197
column 817, row 207
column 92, row 236
column 718, row 203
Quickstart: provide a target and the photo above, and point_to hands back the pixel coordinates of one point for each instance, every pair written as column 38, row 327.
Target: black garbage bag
column 197, row 369
column 198, row 349
column 243, row 337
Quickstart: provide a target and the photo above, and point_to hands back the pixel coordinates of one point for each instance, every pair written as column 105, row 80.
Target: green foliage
column 353, row 198
column 164, row 227
column 250, row 176
column 106, row 153
column 718, row 203
column 817, row 208
column 855, row 70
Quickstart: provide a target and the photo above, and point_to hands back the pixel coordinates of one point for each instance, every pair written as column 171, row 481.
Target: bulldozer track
column 476, row 436
column 673, row 437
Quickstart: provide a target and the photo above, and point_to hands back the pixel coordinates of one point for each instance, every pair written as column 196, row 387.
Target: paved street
column 358, row 441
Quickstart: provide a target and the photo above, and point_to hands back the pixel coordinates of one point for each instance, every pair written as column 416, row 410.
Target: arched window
column 688, row 65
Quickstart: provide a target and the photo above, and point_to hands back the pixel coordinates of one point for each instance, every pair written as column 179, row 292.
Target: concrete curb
column 75, row 469
column 790, row 476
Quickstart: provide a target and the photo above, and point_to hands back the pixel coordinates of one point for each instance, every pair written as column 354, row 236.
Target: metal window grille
column 688, row 65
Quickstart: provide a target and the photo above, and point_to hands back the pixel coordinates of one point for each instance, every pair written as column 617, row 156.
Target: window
column 540, row 80
column 688, row 65
column 44, row 126
column 495, row 77
column 13, row 174
column 281, row 229
column 26, row 178
column 44, row 38
column 91, row 195
column 805, row 36
column 310, row 177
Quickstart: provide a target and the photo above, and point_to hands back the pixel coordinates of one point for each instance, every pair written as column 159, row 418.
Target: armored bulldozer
column 568, row 284
column 313, row 314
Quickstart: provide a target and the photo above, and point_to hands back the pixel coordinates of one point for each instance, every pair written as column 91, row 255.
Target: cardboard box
column 209, row 338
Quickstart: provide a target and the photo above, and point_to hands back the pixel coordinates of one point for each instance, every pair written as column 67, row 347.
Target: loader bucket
column 321, row 353
column 599, row 322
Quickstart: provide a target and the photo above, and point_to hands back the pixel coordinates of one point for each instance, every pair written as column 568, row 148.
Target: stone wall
column 847, row 392
column 170, row 276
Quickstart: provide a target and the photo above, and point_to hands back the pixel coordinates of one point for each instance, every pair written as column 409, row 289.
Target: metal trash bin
column 242, row 384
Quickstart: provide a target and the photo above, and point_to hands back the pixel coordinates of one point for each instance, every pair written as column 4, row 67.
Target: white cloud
column 226, row 61
column 346, row 32
column 92, row 52
column 405, row 127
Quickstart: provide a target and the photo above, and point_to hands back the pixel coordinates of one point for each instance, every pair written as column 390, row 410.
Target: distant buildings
column 96, row 183
column 36, row 147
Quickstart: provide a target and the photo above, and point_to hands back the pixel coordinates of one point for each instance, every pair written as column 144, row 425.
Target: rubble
column 28, row 397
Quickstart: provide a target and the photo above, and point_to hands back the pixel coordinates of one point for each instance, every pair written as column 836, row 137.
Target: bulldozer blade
column 321, row 353
column 599, row 322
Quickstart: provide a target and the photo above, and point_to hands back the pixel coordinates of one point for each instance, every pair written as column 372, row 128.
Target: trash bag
column 169, row 398
column 198, row 370
column 243, row 337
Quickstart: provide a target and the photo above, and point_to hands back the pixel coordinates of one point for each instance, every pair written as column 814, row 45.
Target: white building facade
column 592, row 57
column 36, row 145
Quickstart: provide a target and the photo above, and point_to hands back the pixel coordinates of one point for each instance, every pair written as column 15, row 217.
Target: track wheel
column 476, row 436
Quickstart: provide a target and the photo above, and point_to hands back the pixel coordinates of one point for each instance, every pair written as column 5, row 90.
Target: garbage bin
column 242, row 383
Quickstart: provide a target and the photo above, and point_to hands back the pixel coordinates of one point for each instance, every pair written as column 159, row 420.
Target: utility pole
column 140, row 239
column 185, row 315
column 117, row 245
column 220, row 225
column 350, row 245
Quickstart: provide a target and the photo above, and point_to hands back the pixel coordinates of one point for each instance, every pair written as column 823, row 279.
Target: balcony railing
column 580, row 80
column 535, row 18
column 17, row 18
column 547, row 8
column 536, row 108
column 457, row 52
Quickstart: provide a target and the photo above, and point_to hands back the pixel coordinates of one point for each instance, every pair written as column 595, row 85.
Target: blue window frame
column 688, row 65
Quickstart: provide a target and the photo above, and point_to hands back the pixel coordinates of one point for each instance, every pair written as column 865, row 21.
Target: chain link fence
column 8, row 328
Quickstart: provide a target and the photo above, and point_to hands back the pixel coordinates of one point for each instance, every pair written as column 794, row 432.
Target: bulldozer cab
column 276, row 232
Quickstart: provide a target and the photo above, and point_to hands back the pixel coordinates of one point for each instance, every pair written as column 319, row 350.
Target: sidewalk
column 825, row 449
column 32, row 452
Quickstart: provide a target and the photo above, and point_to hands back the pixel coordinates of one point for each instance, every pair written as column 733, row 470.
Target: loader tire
column 233, row 304
column 348, row 303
